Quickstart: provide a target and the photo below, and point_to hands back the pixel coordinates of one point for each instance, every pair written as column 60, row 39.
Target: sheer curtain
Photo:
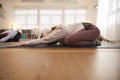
column 108, row 19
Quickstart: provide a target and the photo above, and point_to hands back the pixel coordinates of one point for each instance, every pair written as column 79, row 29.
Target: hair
column 17, row 37
column 48, row 32
column 53, row 28
column 2, row 30
column 3, row 35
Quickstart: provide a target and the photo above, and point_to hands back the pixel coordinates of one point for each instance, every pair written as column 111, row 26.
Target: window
column 45, row 18
column 50, row 18
column 74, row 16
column 26, row 19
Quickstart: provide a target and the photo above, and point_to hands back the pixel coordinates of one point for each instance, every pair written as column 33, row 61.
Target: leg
column 83, row 38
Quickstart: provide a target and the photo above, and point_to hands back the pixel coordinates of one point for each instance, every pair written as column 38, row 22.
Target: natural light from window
column 45, row 18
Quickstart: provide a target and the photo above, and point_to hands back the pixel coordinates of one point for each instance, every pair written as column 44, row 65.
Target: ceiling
column 29, row 2
column 59, row 1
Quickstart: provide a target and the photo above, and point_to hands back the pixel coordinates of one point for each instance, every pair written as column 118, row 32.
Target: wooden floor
column 59, row 64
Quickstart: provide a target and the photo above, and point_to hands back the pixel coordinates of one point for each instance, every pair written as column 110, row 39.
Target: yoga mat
column 105, row 45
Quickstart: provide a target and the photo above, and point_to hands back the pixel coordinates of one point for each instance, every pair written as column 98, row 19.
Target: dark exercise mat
column 105, row 45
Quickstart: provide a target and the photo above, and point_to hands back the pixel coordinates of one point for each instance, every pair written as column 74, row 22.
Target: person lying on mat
column 77, row 34
column 10, row 36
column 97, row 41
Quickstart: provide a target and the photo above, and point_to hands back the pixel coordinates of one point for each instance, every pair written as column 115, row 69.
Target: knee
column 96, row 31
column 68, row 41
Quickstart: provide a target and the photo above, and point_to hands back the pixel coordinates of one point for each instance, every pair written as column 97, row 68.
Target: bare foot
column 115, row 41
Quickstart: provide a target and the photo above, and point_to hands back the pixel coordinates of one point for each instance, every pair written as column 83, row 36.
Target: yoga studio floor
column 59, row 64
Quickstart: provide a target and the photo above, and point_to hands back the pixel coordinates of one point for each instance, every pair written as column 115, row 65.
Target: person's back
column 72, row 28
column 11, row 35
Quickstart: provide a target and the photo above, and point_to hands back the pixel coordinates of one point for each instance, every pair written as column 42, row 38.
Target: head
column 47, row 32
column 56, row 28
column 17, row 37
column 42, row 33
column 3, row 35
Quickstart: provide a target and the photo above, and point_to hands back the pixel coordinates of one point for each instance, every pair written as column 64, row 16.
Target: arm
column 52, row 37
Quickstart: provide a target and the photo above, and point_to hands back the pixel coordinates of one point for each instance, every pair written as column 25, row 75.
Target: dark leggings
column 83, row 38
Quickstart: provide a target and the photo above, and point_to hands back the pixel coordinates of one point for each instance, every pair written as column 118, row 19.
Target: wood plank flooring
column 59, row 64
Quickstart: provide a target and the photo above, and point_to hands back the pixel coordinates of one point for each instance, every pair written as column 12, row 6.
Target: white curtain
column 108, row 19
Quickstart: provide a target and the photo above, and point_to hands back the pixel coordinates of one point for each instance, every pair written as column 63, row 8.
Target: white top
column 73, row 28
column 11, row 35
column 58, row 34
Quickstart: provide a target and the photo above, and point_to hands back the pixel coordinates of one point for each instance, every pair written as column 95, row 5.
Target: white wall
column 1, row 16
column 92, row 11
column 8, row 15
